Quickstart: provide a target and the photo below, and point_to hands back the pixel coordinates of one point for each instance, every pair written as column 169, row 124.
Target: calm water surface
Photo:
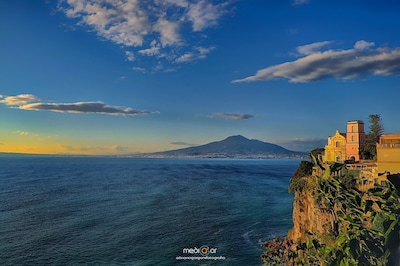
column 125, row 211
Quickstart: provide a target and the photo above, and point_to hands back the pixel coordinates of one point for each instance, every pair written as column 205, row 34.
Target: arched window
column 337, row 144
column 352, row 138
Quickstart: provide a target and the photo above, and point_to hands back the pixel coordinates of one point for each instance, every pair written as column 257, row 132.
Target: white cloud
column 312, row 48
column 196, row 54
column 19, row 99
column 340, row 64
column 362, row 45
column 139, row 24
column 31, row 102
column 130, row 56
column 169, row 32
column 150, row 51
column 204, row 14
column 122, row 22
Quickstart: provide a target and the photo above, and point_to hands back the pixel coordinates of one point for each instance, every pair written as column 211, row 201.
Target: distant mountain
column 233, row 146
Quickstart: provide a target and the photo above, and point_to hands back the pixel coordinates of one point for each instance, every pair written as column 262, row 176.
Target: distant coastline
column 156, row 156
column 236, row 147
column 214, row 156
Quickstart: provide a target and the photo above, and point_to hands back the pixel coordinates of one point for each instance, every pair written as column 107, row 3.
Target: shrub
column 298, row 180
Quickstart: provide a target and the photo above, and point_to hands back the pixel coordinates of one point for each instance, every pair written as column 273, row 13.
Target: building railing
column 359, row 166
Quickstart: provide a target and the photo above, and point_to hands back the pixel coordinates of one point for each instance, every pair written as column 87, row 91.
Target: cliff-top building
column 335, row 150
column 388, row 154
column 355, row 139
column 346, row 146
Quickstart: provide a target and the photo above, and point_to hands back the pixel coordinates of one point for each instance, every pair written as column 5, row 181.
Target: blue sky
column 111, row 77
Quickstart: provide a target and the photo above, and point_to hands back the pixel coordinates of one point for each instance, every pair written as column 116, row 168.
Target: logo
column 203, row 250
column 203, row 253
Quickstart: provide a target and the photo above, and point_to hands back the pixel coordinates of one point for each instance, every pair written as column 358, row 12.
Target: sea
column 58, row 210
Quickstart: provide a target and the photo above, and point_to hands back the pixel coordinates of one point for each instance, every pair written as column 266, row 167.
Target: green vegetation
column 375, row 132
column 298, row 182
column 316, row 152
column 299, row 179
column 365, row 228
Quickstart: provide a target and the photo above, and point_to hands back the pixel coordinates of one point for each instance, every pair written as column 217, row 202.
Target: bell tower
column 355, row 139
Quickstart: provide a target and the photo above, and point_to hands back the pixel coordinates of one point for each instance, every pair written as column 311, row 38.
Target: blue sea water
column 130, row 211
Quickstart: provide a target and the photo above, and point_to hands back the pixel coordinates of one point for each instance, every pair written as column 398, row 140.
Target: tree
column 375, row 132
column 375, row 128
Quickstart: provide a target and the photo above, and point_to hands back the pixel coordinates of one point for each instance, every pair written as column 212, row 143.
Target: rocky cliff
column 308, row 217
column 336, row 224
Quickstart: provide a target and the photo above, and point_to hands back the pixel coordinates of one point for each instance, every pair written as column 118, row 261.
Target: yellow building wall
column 335, row 150
column 388, row 153
column 388, row 159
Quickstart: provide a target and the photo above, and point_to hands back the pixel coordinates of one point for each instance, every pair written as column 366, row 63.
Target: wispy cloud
column 23, row 133
column 303, row 144
column 71, row 149
column 130, row 56
column 31, row 102
column 139, row 69
column 154, row 50
column 182, row 143
column 196, row 54
column 300, row 2
column 359, row 61
column 142, row 25
column 312, row 48
column 117, row 148
column 84, row 107
column 232, row 116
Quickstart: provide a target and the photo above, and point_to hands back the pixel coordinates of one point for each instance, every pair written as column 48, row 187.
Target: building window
column 352, row 138
column 352, row 128
column 337, row 144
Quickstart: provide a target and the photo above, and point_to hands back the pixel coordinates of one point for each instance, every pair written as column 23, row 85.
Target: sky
column 131, row 76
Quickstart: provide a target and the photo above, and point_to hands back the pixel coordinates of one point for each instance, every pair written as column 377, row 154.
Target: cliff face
column 308, row 217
